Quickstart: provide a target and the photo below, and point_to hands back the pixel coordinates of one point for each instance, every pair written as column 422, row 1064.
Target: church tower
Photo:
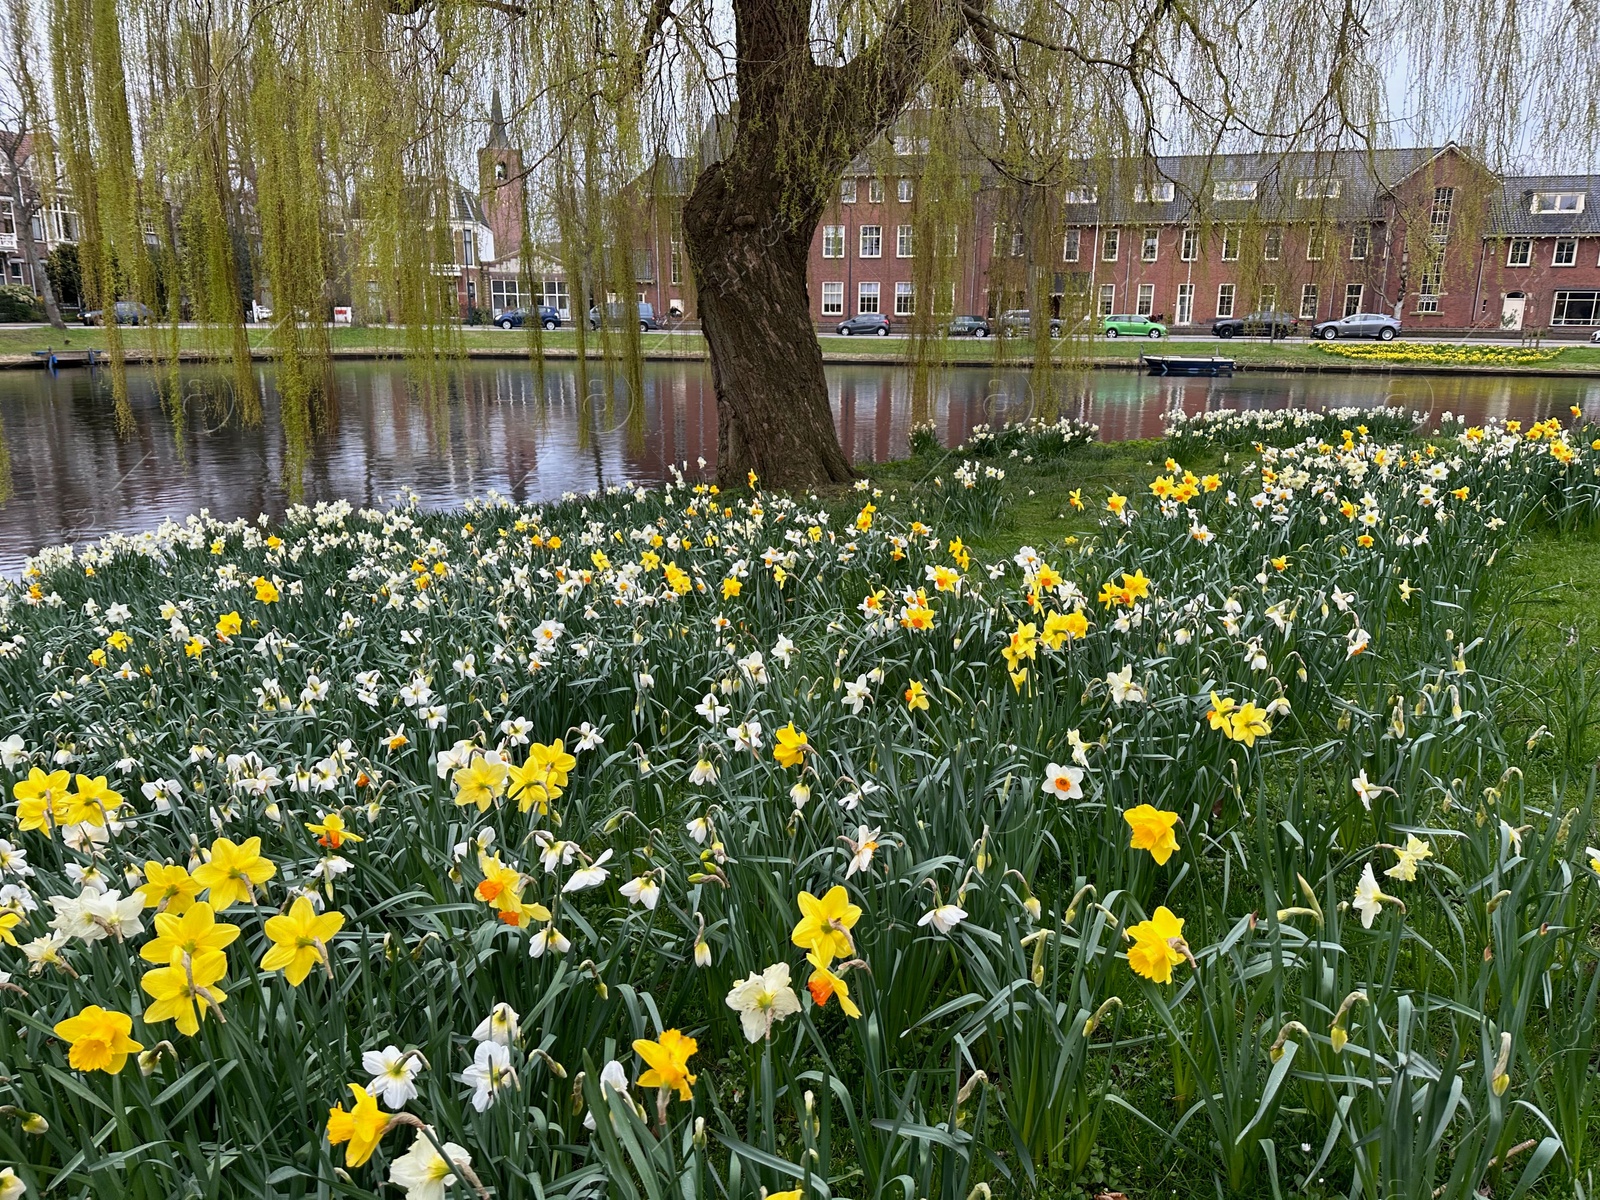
column 502, row 187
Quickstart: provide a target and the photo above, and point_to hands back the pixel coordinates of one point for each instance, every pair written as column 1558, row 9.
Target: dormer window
column 1317, row 189
column 1557, row 202
column 1234, row 189
column 1080, row 195
column 1160, row 192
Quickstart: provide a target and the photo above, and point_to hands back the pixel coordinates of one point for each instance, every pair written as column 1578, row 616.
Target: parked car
column 1373, row 325
column 1125, row 325
column 1595, row 336
column 1257, row 324
column 516, row 318
column 874, row 323
column 616, row 313
column 129, row 312
column 1018, row 322
column 969, row 327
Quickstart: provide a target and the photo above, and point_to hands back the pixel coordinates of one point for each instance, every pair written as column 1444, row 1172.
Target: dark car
column 969, row 327
column 129, row 312
column 874, row 323
column 1257, row 324
column 617, row 313
column 516, row 318
column 1018, row 322
column 1373, row 325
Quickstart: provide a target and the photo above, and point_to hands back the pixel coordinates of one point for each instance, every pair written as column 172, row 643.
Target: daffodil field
column 679, row 843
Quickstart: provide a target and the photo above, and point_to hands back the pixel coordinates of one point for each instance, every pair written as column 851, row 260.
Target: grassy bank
column 17, row 346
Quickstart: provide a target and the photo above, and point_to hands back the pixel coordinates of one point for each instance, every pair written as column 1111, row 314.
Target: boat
column 1178, row 364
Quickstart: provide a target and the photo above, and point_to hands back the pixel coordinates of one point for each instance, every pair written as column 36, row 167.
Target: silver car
column 1372, row 325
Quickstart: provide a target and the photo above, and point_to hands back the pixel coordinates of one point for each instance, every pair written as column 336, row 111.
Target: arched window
column 500, row 172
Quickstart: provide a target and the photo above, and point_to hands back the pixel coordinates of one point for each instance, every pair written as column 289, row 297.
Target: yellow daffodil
column 790, row 750
column 331, row 831
column 99, row 1039
column 1249, row 723
column 481, row 782
column 233, row 872
column 229, row 625
column 668, row 1060
column 825, row 924
column 916, row 696
column 171, row 889
column 91, row 803
column 1152, row 831
column 185, row 988
column 40, row 798
column 358, row 1130
column 299, row 940
column 1158, row 946
column 266, row 590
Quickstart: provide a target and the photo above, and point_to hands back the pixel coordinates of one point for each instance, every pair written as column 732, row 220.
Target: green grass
column 383, row 342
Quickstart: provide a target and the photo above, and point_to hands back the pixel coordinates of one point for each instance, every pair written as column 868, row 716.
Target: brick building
column 1429, row 235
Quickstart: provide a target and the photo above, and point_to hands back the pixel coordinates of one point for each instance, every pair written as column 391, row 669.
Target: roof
column 498, row 139
column 1512, row 211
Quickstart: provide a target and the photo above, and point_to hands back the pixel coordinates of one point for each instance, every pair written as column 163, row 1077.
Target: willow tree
column 328, row 130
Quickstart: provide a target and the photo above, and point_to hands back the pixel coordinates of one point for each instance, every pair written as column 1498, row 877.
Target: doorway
column 1512, row 310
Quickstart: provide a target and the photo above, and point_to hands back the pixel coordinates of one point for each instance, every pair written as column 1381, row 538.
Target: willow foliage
column 315, row 145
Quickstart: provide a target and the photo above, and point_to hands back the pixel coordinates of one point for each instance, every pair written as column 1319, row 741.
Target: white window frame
column 1146, row 304
column 1150, row 245
column 1110, row 244
column 1356, row 292
column 1325, row 188
column 833, row 240
column 905, row 191
column 1310, row 301
column 1081, row 195
column 875, row 233
column 1226, row 295
column 1272, row 243
column 1189, row 247
column 847, row 190
column 1439, row 217
column 1230, row 243
column 902, row 241
column 1557, row 202
column 1159, row 192
column 1185, row 310
column 1268, row 299
column 905, row 299
column 1316, row 243
column 1557, row 299
column 875, row 190
column 833, row 298
column 1569, row 243
column 1360, row 237
column 1071, row 244
column 1525, row 258
column 863, row 292
column 1235, row 189
column 1107, row 300
column 1428, row 298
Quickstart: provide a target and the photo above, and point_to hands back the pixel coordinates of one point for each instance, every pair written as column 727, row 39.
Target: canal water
column 74, row 472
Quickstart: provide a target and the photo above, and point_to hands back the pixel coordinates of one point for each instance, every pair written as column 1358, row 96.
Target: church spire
column 497, row 124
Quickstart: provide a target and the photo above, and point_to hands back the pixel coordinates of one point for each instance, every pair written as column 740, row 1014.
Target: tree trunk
column 30, row 252
column 748, row 248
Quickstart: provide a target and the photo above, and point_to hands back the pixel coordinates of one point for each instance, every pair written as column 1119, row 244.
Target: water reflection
column 464, row 430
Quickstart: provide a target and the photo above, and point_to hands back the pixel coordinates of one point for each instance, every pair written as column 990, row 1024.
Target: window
column 1326, row 188
column 1234, row 189
column 1576, row 308
column 1080, row 195
column 1360, row 238
column 553, row 292
column 1439, row 220
column 1557, row 202
column 871, row 242
column 1160, row 192
column 1190, row 250
column 1352, row 298
column 16, row 275
column 1308, row 302
column 1185, row 304
column 874, row 190
column 902, row 241
column 905, row 299
column 1070, row 243
column 1151, row 246
column 1565, row 253
column 833, row 299
column 1147, row 299
column 500, row 172
column 1230, row 243
column 1109, row 242
column 904, row 145
column 1272, row 243
column 867, row 298
column 1520, row 252
column 905, row 190
column 1108, row 298
column 643, row 266
column 504, row 294
column 677, row 263
column 466, row 247
column 1269, row 299
column 1316, row 243
column 847, row 190
column 1428, row 290
column 833, row 241
column 1225, row 300
column 1016, row 242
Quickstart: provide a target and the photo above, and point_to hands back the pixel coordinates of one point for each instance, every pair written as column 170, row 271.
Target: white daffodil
column 1122, row 687
column 501, row 1025
column 944, row 918
column 590, row 875
column 423, row 1172
column 763, row 1000
column 394, row 1072
column 1064, row 783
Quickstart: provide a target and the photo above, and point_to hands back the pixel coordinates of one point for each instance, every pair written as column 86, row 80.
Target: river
column 73, row 474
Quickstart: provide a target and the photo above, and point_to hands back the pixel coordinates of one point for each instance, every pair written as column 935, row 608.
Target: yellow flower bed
column 1433, row 353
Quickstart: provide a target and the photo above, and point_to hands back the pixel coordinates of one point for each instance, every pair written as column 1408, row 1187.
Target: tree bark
column 748, row 250
column 23, row 216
